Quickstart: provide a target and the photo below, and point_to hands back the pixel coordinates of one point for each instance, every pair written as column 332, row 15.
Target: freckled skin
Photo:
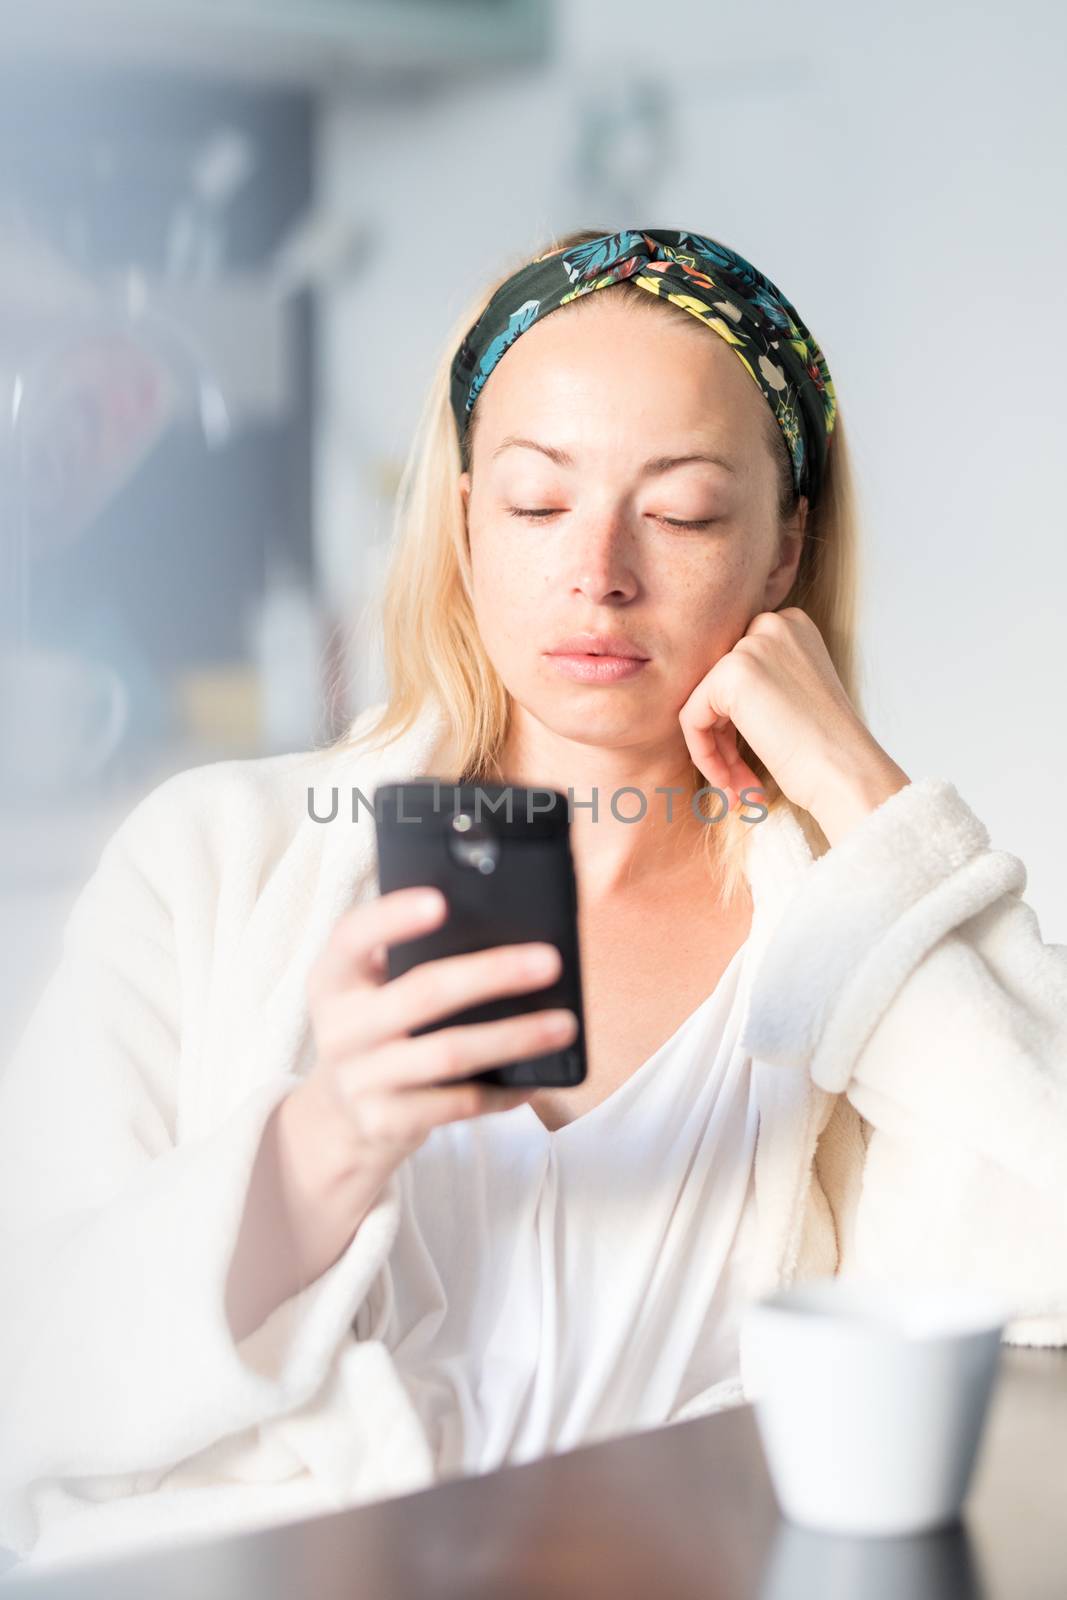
column 615, row 388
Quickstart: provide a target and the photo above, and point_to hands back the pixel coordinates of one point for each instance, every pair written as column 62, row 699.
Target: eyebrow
column 650, row 468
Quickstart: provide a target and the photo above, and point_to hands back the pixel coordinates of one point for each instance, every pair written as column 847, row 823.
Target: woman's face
column 609, row 550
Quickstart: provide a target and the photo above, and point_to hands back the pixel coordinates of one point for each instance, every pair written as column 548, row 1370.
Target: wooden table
column 686, row 1510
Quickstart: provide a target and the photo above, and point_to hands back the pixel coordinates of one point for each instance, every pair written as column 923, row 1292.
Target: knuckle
column 345, row 1089
column 330, row 1031
column 373, row 1120
column 447, row 1053
column 496, row 963
column 434, row 986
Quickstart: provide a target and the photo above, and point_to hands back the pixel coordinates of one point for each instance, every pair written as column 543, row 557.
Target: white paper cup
column 870, row 1399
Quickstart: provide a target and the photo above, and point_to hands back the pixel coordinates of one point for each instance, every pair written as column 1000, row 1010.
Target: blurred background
column 204, row 207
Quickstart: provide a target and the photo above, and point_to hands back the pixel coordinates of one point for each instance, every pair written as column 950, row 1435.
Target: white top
column 554, row 1288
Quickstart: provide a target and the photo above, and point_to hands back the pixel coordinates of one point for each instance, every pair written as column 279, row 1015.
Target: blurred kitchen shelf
column 372, row 45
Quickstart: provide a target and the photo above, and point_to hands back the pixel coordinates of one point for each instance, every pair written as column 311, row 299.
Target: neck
column 613, row 856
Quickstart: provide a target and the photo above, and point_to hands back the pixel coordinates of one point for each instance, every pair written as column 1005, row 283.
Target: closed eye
column 670, row 522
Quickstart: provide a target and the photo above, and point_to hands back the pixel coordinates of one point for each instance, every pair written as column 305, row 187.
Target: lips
column 598, row 644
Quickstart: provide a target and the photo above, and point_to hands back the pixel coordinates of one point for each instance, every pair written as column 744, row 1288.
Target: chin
column 591, row 715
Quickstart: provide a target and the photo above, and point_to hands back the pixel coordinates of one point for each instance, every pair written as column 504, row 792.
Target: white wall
column 899, row 175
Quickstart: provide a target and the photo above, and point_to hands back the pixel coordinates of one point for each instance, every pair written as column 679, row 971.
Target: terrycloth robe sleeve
column 116, row 1357
column 908, row 974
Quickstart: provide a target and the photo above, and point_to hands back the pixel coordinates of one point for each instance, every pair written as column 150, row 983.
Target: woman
column 262, row 1261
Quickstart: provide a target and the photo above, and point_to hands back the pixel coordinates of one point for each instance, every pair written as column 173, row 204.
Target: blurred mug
column 870, row 1399
column 61, row 719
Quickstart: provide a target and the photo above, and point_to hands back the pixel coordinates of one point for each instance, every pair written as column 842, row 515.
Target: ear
column 465, row 497
column 464, row 501
column 782, row 577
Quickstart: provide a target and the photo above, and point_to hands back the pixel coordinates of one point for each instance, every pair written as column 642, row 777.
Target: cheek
column 709, row 605
column 711, row 584
column 506, row 573
column 504, row 583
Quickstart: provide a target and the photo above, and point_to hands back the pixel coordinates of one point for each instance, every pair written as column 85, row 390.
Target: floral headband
column 725, row 291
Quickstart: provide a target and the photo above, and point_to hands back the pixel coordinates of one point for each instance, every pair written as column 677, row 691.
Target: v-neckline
column 641, row 1072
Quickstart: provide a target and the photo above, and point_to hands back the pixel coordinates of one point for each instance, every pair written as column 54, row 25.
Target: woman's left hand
column 778, row 688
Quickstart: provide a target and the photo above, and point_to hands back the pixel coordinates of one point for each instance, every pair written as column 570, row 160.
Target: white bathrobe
column 908, row 1035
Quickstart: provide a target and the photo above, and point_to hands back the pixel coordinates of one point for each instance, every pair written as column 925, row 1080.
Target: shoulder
column 211, row 837
column 231, row 819
column 213, row 804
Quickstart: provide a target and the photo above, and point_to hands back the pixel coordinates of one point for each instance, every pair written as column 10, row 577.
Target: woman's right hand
column 374, row 1094
column 382, row 1091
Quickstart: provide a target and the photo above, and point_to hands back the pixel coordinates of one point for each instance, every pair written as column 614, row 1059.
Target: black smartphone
column 501, row 856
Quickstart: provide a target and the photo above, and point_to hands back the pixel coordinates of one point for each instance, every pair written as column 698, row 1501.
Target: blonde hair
column 430, row 636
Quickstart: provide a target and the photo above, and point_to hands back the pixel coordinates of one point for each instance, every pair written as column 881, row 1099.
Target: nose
column 600, row 559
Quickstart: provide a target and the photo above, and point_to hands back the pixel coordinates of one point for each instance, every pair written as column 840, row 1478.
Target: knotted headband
column 726, row 292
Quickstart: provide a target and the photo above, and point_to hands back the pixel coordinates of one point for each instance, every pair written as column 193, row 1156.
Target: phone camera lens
column 472, row 844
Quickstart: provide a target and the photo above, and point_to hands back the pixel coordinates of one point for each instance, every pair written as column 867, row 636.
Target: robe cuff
column 861, row 918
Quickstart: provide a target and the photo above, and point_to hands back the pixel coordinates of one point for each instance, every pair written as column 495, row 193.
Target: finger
column 402, row 1122
column 739, row 770
column 702, row 728
column 435, row 1058
column 717, row 756
column 707, row 750
column 700, row 714
column 436, row 989
column 361, row 1020
column 736, row 772
column 356, row 950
